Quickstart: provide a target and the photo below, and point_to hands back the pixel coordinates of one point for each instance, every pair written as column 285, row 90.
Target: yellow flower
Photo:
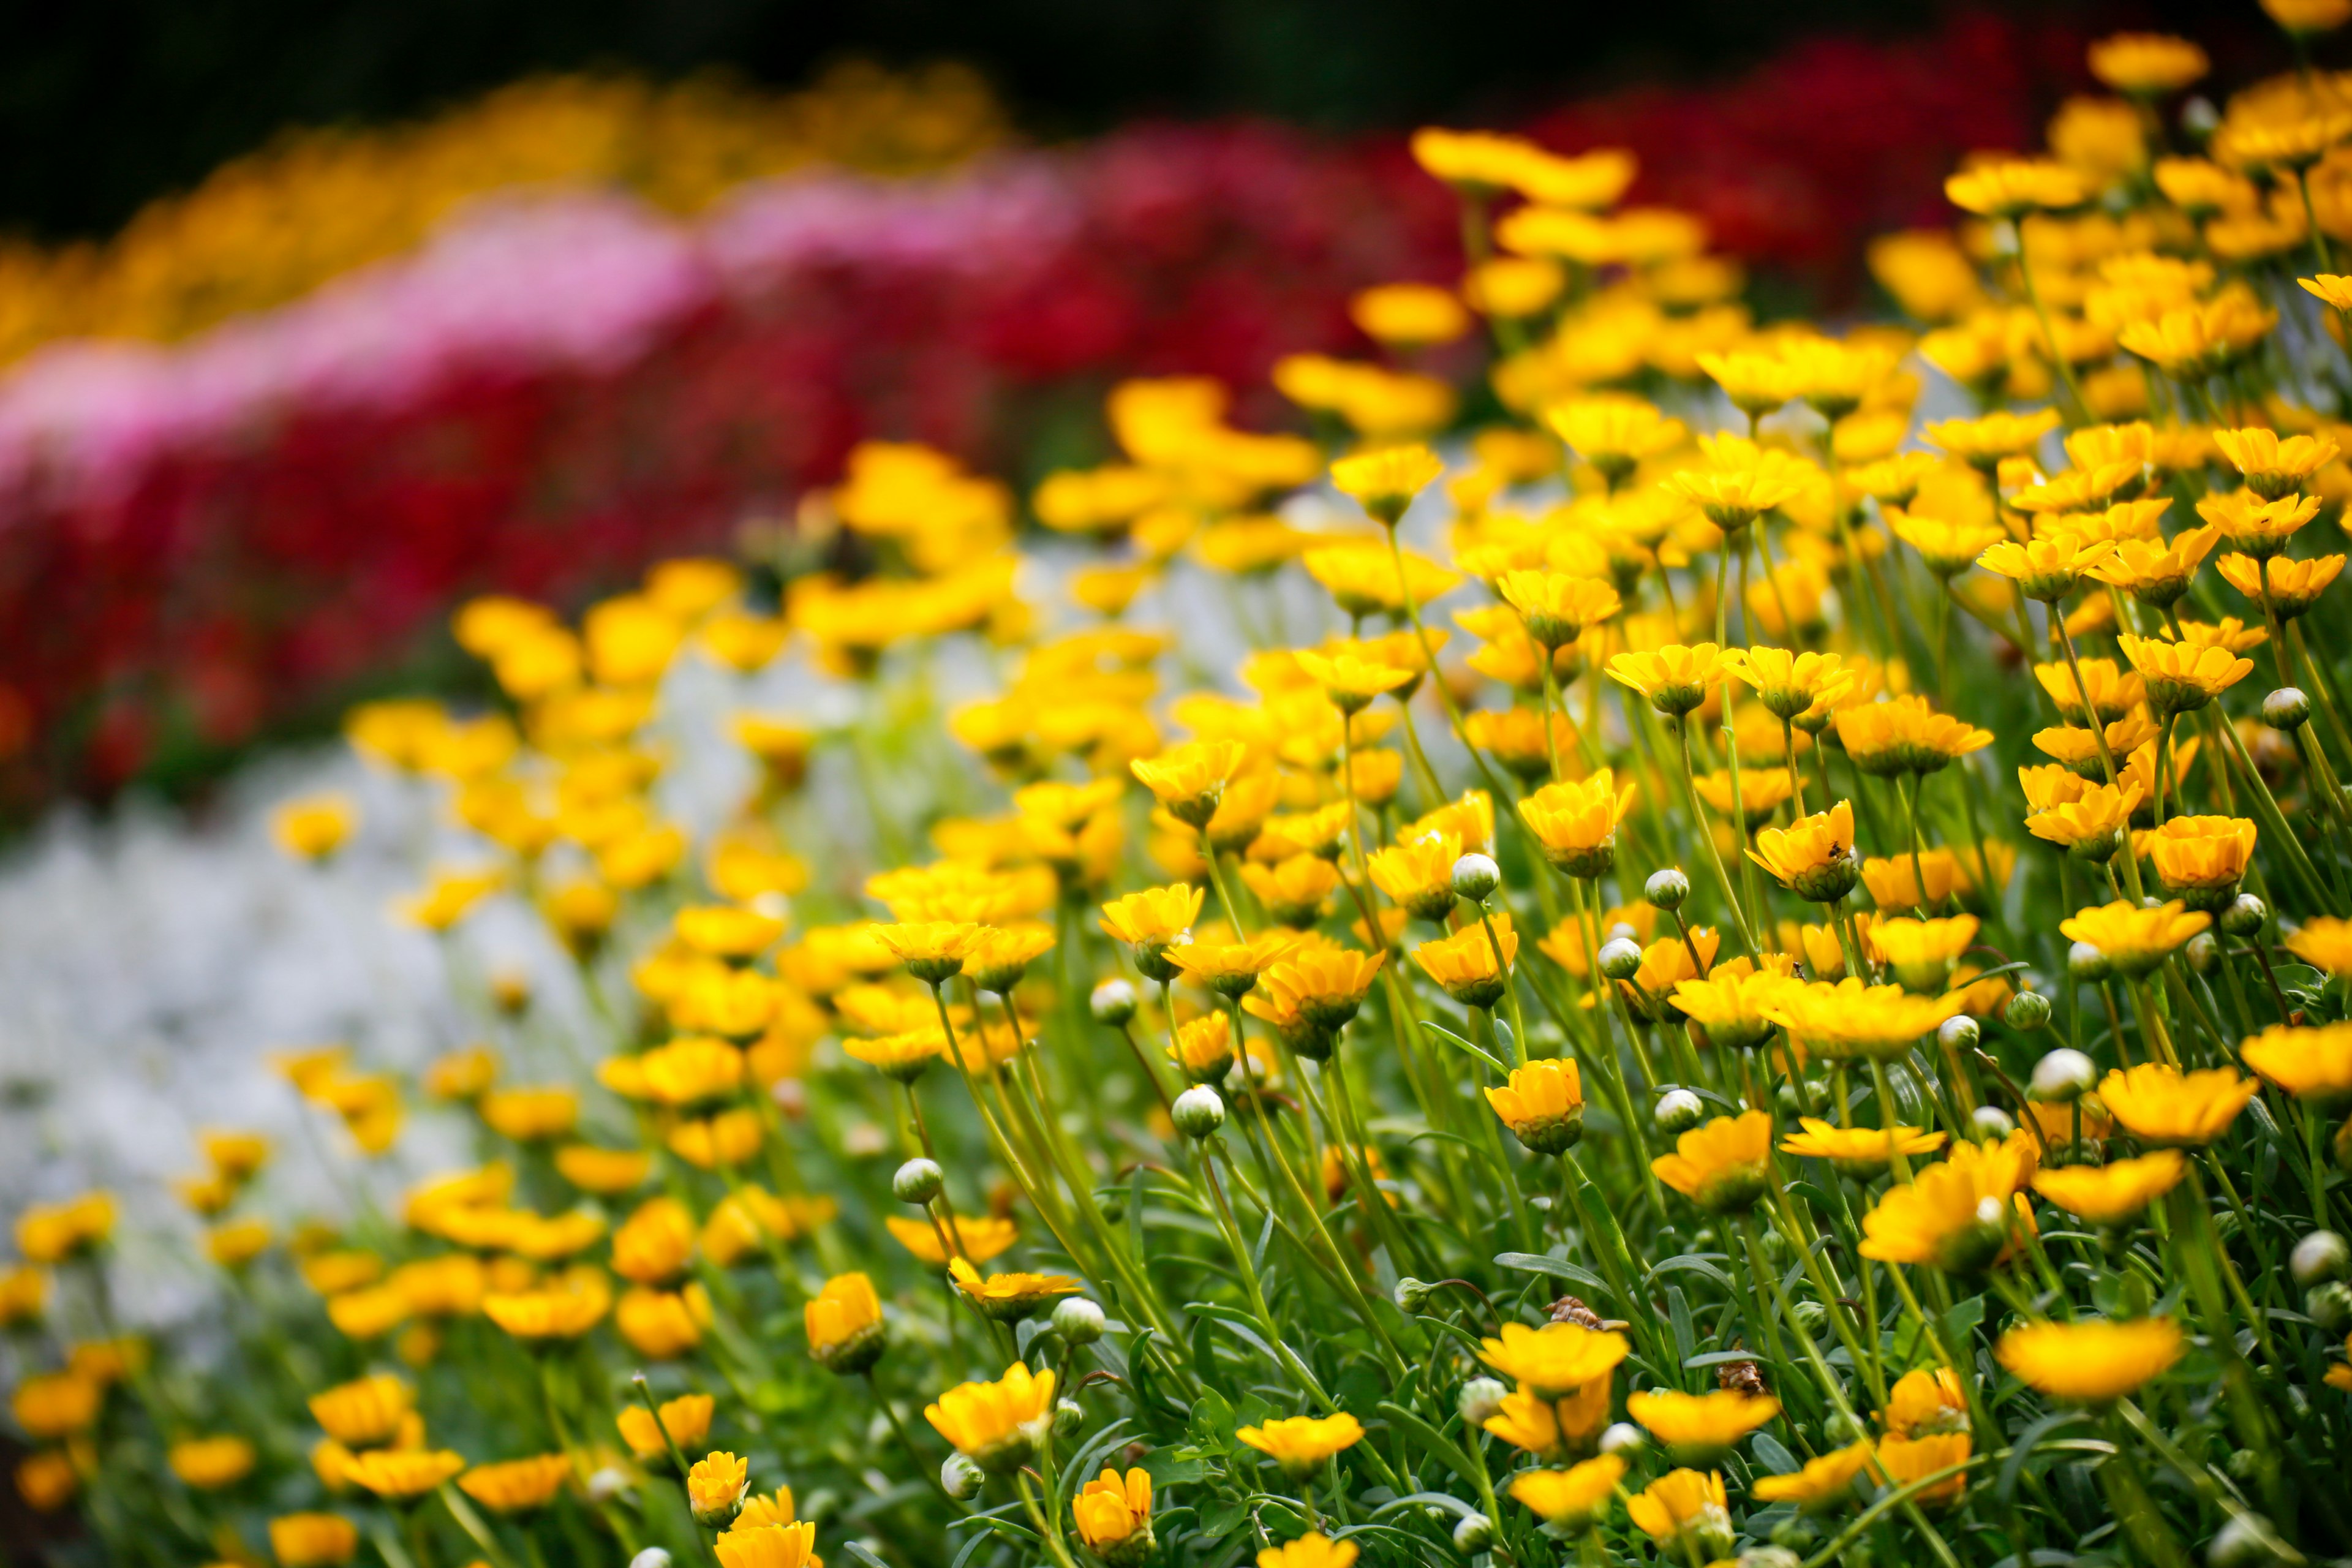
column 728, row 1139
column 2091, row 1361
column 978, row 1237
column 1814, row 857
column 449, row 897
column 844, row 1324
column 1684, row 1504
column 1464, row 964
column 315, row 827
column 686, row 1419
column 1113, row 1515
column 1956, row 1214
column 2147, row 64
column 1190, row 779
column 2199, row 338
column 1756, row 383
column 313, row 1540
column 365, row 1413
column 1362, row 578
column 1554, row 1361
column 1325, row 986
column 530, row 1115
column 567, row 1310
column 1570, row 1499
column 783, row 1544
column 209, row 1464
column 1315, row 1551
column 1231, row 968
column 517, row 1485
column 2313, row 1064
column 661, row 1325
column 1675, row 679
column 715, row 1487
column 1614, row 432
column 2273, row 467
column 1732, row 498
column 2011, row 187
column 1788, row 683
column 1921, row 952
column 1903, row 734
column 760, row 1512
column 1352, row 681
column 1294, row 889
column 1849, row 1018
column 1008, row 1297
column 2325, row 943
column 1556, row 606
column 1576, row 823
column 1409, row 314
column 1148, row 922
column 2105, row 1194
column 2288, row 587
column 1417, row 871
column 996, row 1424
column 1204, row 1046
column 398, row 1474
column 1823, row 1484
column 1543, row 1105
column 2182, row 676
column 2155, row 573
column 2133, row 939
column 52, row 1233
column 1722, row 1165
column 1907, row 1459
column 1700, row 1428
column 932, row 951
column 1384, row 482
column 655, row 1243
column 1926, row 1401
column 2161, row 1105
column 2091, row 824
column 2201, row 859
column 1861, row 1152
column 1300, row 1443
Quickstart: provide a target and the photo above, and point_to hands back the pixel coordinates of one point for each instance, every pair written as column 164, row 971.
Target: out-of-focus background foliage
column 315, row 318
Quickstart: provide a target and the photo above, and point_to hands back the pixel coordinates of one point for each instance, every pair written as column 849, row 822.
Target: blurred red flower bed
column 197, row 541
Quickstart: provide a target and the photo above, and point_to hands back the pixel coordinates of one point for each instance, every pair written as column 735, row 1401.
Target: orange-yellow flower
column 1700, row 1428
column 686, row 1419
column 1720, row 1166
column 2288, row 587
column 1814, row 857
column 2133, row 939
column 1823, row 1484
column 1113, row 1515
column 1684, row 1504
column 1576, row 823
column 2161, row 1105
column 2011, row 187
column 1848, row 1018
column 1555, row 1360
column 1542, row 1104
column 1301, row 1443
column 1956, row 1214
column 1903, row 734
column 1384, row 482
column 2047, row 569
column 1861, row 1152
column 1569, row 1500
column 1675, row 679
column 1907, row 1459
column 2091, row 1361
column 1465, row 963
column 996, row 1424
column 2106, row 1193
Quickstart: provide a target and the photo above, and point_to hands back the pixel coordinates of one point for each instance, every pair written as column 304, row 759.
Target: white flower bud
column 1113, row 1003
column 917, row 1182
column 1678, row 1111
column 2064, row 1075
column 1621, row 959
column 1475, row 878
column 960, row 1478
column 1482, row 1401
column 1198, row 1111
column 2318, row 1257
column 1078, row 1321
column 1622, row 1437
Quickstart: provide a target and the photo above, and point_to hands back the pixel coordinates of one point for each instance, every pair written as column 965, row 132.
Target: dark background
column 105, row 103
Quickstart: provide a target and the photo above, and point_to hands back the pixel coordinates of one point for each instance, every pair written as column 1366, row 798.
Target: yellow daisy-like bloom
column 1683, row 1503
column 1848, row 1018
column 2161, row 1105
column 2011, row 187
column 365, row 1413
column 1903, row 734
column 1231, row 968
column 1675, row 679
column 1113, row 1515
column 2147, row 64
column 1409, row 314
column 1700, row 1428
column 996, row 1424
column 2091, row 823
column 2091, row 1361
column 1823, row 1484
column 1813, row 856
column 1861, row 1152
column 1464, row 964
column 776, row 1507
column 2199, row 338
column 1326, row 985
column 1316, row 1550
column 1907, row 1459
column 2047, row 569
column 315, row 827
column 932, row 951
column 1352, row 681
column 1948, row 546
column 1922, row 952
column 1760, row 793
column 398, row 1474
column 1008, row 1297
column 1150, row 920
column 1553, row 1429
column 1614, row 432
column 1384, row 482
column 1957, row 1215
column 1300, row 1443
column 1204, row 1046
column 1555, row 1360
column 1576, row 823
column 903, row 1055
column 1733, row 498
column 2155, row 573
column 728, row 1139
column 686, row 1419
column 2325, row 942
column 1756, row 383
column 313, row 1540
column 1557, row 607
column 2256, row 527
column 978, row 1237
column 1543, row 1105
column 844, row 1321
column 661, row 1325
column 715, row 1487
column 1929, row 1400
column 208, row 1464
column 517, row 1485
column 2201, row 859
column 1189, row 779
column 530, row 1115
column 1720, row 1166
column 575, row 1305
column 1294, row 889
column 1982, row 442
column 1417, row 871
column 780, row 1545
column 2274, row 468
column 2313, row 1064
column 1361, row 577
column 2105, row 1194
column 2288, row 587
column 2133, row 939
column 1788, row 683
column 655, row 1244
column 2182, row 678
column 2111, row 693
column 1570, row 1500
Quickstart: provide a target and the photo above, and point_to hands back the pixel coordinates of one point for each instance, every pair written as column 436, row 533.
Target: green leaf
column 1557, row 1267
column 1167, row 1471
column 1678, row 1314
column 1430, row 1437
column 1458, row 1043
column 1212, row 1417
column 1222, row 1516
